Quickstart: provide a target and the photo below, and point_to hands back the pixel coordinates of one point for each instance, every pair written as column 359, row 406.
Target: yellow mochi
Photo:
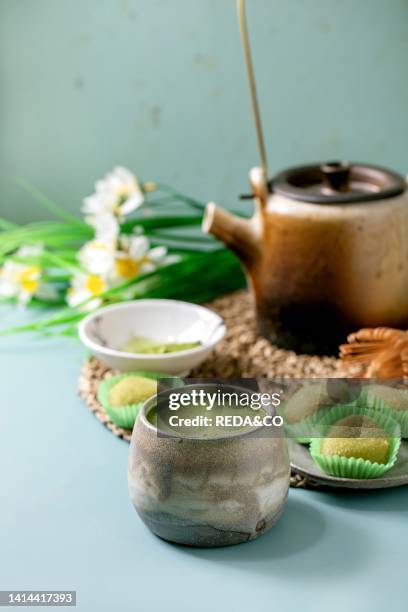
column 132, row 390
column 359, row 441
column 305, row 401
column 394, row 398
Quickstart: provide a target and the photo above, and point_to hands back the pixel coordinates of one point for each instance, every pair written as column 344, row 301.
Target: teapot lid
column 338, row 182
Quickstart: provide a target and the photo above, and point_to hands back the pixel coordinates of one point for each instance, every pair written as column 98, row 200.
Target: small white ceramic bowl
column 108, row 329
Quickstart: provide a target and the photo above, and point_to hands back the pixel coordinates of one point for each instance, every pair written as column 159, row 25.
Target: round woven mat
column 241, row 354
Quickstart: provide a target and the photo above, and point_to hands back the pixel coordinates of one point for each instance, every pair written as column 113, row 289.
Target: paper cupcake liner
column 304, row 431
column 304, row 441
column 310, row 427
column 353, row 467
column 124, row 416
column 377, row 403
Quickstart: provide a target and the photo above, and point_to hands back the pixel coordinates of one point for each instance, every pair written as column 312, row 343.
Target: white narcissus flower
column 130, row 258
column 108, row 264
column 97, row 257
column 86, row 288
column 136, row 257
column 106, row 227
column 118, row 193
column 21, row 280
column 158, row 254
column 127, row 188
column 136, row 246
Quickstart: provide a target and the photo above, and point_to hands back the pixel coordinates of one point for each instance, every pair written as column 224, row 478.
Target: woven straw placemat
column 241, row 354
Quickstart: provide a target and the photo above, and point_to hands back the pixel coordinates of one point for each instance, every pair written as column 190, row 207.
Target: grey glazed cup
column 207, row 492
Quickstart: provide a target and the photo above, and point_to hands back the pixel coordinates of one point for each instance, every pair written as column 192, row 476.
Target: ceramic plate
column 303, row 464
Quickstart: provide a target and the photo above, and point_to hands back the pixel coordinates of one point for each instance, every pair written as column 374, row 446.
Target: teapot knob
column 336, row 174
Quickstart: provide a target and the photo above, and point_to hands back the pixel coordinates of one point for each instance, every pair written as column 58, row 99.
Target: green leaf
column 159, row 221
column 47, row 203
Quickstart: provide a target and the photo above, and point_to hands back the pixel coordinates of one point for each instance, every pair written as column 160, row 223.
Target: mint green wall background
column 158, row 85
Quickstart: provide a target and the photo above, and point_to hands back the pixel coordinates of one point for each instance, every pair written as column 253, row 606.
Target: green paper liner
column 368, row 398
column 353, row 467
column 307, row 429
column 311, row 396
column 301, row 431
column 124, row 416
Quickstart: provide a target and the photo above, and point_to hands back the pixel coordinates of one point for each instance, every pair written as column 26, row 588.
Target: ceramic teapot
column 325, row 253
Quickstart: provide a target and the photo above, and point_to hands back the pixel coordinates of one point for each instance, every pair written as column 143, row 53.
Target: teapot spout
column 239, row 234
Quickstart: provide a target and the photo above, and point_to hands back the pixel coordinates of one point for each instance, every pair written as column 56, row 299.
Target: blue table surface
column 66, row 521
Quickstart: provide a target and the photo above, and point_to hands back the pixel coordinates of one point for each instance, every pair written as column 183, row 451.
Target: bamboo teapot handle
column 260, row 187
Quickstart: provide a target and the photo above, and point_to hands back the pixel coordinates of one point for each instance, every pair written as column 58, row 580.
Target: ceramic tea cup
column 207, row 491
